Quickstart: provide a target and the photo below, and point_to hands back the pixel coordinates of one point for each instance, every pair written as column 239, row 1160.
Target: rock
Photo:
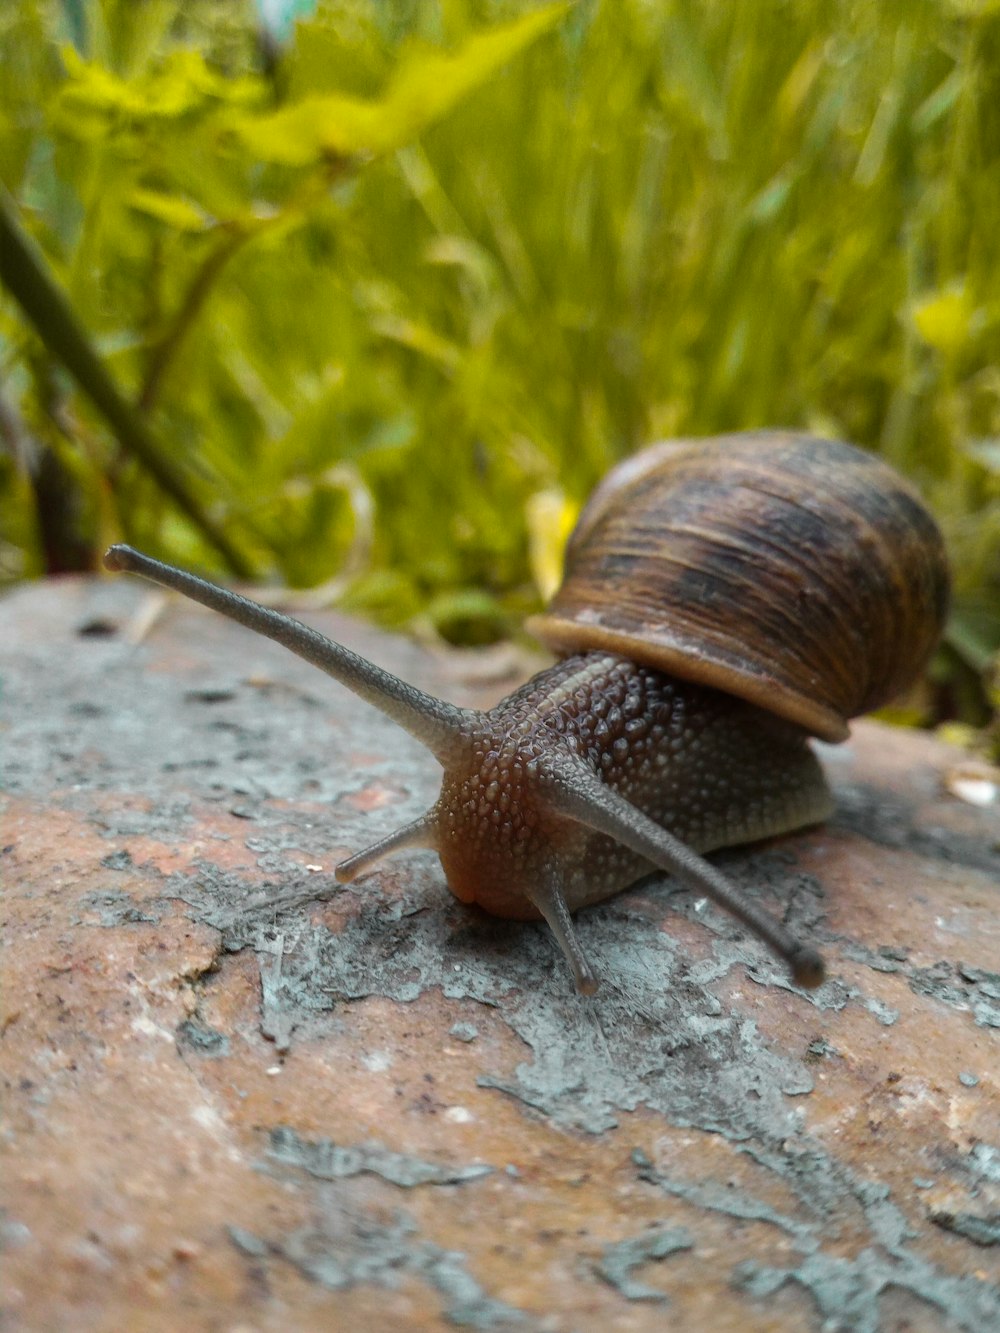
column 240, row 1095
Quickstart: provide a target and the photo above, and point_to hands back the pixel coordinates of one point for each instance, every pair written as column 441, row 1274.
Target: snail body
column 713, row 591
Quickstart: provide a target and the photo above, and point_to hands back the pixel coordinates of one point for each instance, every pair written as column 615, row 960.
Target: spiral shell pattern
column 801, row 574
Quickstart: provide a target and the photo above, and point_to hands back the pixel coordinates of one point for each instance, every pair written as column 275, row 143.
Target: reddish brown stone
column 240, row 1098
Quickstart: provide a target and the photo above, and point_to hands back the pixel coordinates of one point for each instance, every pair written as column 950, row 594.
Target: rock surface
column 238, row 1097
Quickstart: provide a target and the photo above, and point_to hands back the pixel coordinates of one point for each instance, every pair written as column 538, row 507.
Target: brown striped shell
column 801, row 574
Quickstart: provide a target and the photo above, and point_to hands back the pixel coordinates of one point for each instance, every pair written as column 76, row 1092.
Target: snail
column 723, row 600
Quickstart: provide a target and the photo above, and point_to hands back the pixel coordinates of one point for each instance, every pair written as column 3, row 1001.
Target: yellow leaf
column 176, row 212
column 314, row 128
column 943, row 319
column 427, row 84
column 94, row 88
column 550, row 515
column 183, row 83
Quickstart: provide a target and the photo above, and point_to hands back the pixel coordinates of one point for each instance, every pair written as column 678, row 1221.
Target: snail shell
column 800, row 574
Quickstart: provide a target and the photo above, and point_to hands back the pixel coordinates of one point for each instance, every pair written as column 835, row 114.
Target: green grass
column 403, row 374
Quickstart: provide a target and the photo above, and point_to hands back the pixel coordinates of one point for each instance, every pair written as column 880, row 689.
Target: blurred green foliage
column 393, row 295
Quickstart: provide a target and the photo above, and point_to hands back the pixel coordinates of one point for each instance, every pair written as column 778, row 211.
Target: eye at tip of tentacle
column 808, row 968
column 347, row 871
column 587, row 983
column 116, row 558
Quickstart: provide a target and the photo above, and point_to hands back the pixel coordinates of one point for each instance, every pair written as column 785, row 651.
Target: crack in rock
column 846, row 1291
column 347, row 1246
column 619, row 1262
column 326, row 1160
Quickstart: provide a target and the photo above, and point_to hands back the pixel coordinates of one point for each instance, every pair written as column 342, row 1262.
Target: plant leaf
column 943, row 319
column 176, row 212
column 425, row 87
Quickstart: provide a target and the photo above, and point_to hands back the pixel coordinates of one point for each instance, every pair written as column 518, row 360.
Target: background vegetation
column 376, row 304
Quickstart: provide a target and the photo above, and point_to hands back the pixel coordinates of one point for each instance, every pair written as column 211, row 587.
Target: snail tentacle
column 574, row 790
column 434, row 723
column 549, row 897
column 421, row 832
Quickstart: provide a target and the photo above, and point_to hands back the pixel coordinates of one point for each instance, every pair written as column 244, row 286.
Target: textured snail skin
column 723, row 600
column 714, row 770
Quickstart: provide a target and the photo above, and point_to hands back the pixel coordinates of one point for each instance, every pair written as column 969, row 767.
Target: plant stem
column 194, row 299
column 26, row 274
